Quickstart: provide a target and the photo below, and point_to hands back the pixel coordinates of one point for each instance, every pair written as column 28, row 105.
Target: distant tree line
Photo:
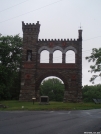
column 91, row 92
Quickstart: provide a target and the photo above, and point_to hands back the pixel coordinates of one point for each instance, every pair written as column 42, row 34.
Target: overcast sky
column 59, row 19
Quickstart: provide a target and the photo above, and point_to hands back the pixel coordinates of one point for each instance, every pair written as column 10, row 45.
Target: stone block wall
column 33, row 72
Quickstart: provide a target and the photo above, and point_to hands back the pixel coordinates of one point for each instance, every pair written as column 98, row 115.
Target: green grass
column 16, row 105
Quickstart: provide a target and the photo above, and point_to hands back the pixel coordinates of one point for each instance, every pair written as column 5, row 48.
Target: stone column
column 51, row 58
column 63, row 57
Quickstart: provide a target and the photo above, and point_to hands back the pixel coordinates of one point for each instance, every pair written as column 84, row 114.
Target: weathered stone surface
column 33, row 72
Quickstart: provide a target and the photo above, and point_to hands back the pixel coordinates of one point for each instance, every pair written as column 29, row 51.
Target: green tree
column 96, row 58
column 10, row 58
column 52, row 88
column 91, row 92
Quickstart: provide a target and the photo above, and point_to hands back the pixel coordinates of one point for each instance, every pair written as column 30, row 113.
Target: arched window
column 70, row 56
column 44, row 56
column 57, row 56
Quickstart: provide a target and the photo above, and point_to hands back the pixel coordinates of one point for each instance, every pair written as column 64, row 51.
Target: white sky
column 59, row 19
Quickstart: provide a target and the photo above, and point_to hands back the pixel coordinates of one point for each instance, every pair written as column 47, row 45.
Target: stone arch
column 70, row 48
column 57, row 48
column 44, row 48
column 47, row 74
column 51, row 73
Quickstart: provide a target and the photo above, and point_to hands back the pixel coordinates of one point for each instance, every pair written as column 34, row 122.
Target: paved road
column 50, row 122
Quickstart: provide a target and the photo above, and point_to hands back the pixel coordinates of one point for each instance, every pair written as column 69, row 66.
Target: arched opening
column 47, row 75
column 44, row 56
column 70, row 56
column 53, row 87
column 57, row 56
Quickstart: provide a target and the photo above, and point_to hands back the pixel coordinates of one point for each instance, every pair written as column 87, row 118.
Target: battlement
column 28, row 27
column 30, row 24
column 56, row 40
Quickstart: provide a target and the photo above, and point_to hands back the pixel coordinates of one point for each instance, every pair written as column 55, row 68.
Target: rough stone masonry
column 33, row 72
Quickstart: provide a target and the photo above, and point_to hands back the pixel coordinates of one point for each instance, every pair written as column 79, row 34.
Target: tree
column 10, row 58
column 91, row 92
column 96, row 58
column 52, row 88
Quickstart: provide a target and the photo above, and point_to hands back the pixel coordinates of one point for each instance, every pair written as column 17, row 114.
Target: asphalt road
column 50, row 122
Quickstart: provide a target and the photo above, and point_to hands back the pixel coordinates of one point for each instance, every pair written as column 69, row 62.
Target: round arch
column 51, row 73
column 44, row 48
column 57, row 48
column 70, row 48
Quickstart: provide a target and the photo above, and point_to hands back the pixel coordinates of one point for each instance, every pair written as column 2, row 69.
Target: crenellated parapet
column 56, row 40
column 29, row 28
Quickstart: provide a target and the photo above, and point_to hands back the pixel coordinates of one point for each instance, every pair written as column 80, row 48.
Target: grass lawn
column 16, row 105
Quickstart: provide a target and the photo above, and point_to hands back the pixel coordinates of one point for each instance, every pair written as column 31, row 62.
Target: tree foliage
column 96, row 58
column 10, row 58
column 91, row 92
column 52, row 88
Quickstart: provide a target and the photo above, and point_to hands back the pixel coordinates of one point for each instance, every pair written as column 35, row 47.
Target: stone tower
column 29, row 60
column 33, row 72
